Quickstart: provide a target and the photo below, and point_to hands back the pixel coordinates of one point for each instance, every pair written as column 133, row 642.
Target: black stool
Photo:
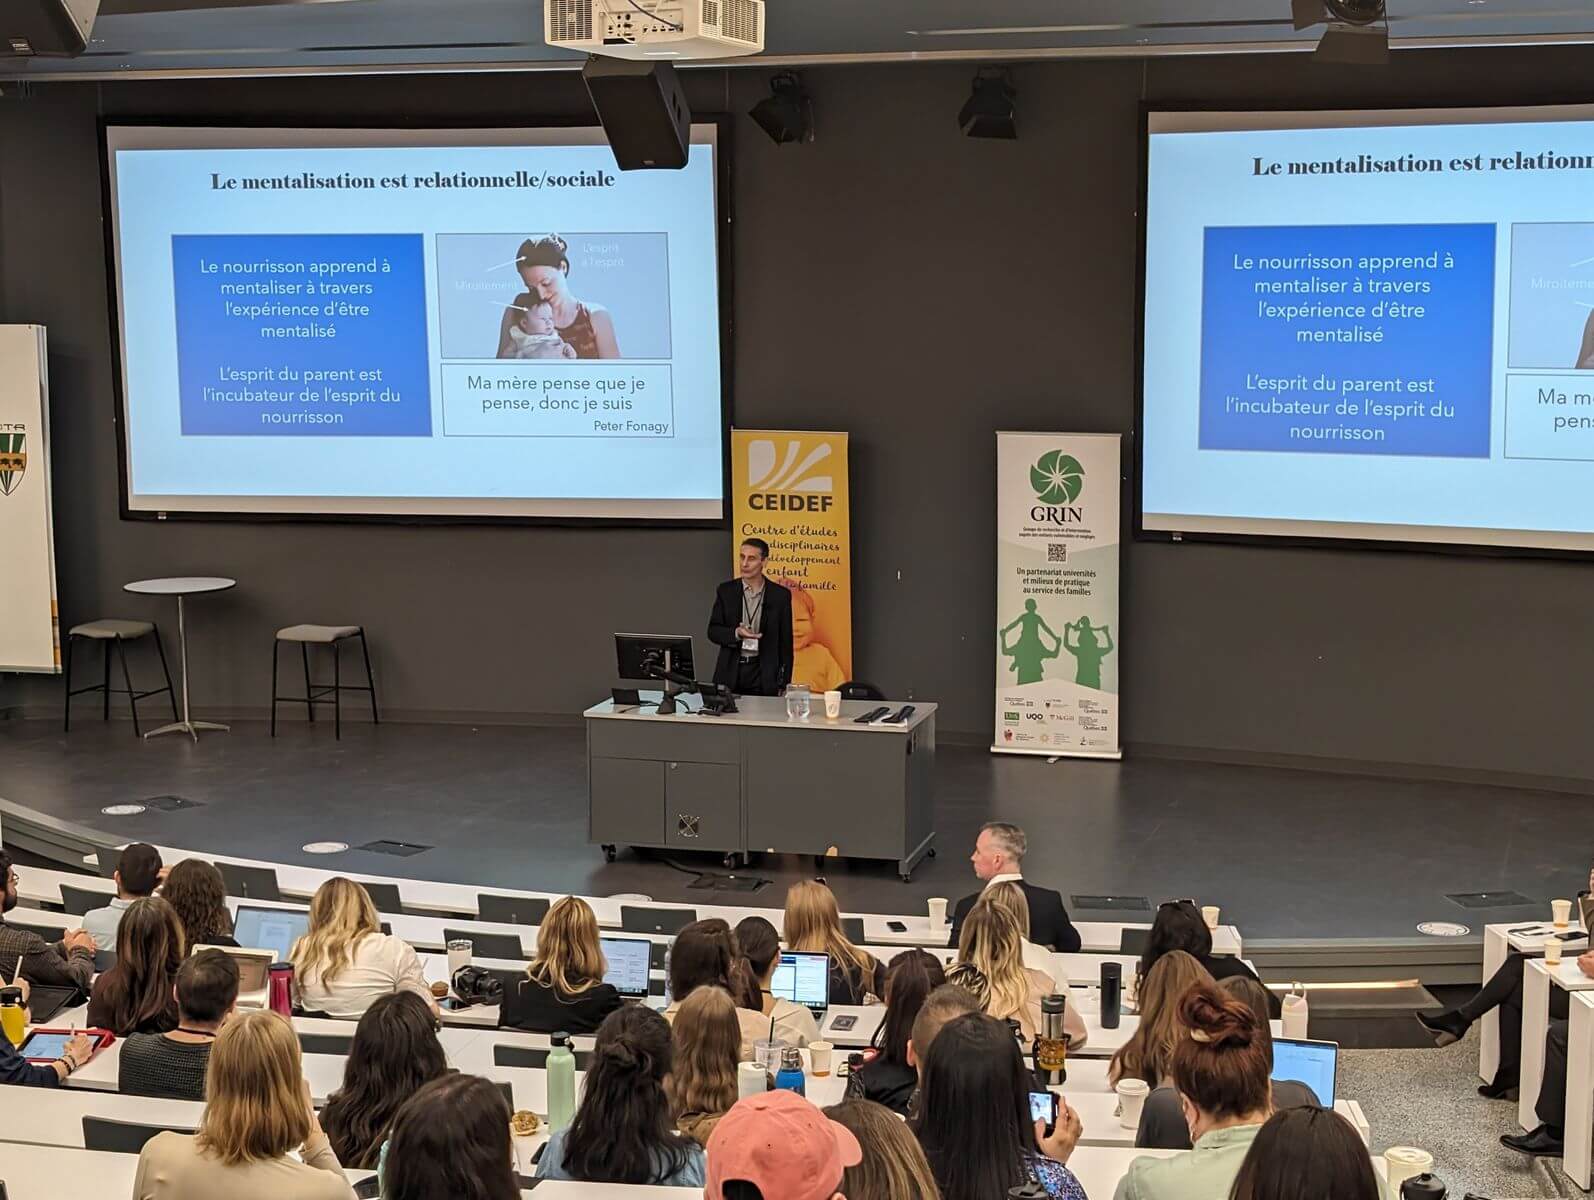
column 323, row 635
column 110, row 631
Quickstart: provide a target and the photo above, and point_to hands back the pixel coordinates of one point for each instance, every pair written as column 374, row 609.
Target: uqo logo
column 789, row 481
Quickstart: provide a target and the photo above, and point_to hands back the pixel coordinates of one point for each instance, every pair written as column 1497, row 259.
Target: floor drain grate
column 396, row 849
column 1113, row 903
column 1487, row 899
column 171, row 803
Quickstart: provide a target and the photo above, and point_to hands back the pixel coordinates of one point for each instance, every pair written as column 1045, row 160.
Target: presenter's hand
column 742, row 631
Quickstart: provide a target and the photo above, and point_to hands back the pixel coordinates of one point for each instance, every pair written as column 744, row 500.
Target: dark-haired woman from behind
column 1180, row 926
column 136, row 994
column 623, row 1131
column 196, row 890
column 792, row 1023
column 451, row 1139
column 395, row 1053
column 889, row 1078
column 1307, row 1154
column 706, row 954
column 1220, row 1069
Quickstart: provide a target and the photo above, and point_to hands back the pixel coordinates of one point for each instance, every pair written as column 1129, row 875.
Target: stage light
column 989, row 112
column 786, row 114
column 1357, row 31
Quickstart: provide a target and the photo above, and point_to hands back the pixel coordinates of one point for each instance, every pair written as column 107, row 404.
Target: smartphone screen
column 896, row 927
column 1043, row 1107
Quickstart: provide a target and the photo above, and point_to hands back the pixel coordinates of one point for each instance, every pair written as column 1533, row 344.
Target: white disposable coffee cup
column 832, row 704
column 1561, row 913
column 819, row 1055
column 1552, row 951
column 1405, row 1162
column 459, row 952
column 1210, row 914
column 937, row 911
column 751, row 1080
column 1132, row 1095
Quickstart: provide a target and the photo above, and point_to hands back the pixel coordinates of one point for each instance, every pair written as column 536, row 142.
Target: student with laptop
column 792, row 1022
column 344, row 963
column 706, row 954
column 813, row 925
column 24, row 954
column 172, row 1064
column 563, row 990
column 195, row 889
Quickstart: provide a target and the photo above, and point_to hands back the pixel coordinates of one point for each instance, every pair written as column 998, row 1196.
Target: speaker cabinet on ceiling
column 643, row 111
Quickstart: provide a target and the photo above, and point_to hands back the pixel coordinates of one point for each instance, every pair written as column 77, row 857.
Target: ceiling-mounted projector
column 669, row 30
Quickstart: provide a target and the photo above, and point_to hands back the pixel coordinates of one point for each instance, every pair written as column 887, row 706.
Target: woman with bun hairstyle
column 544, row 265
column 623, row 1131
column 1220, row 1068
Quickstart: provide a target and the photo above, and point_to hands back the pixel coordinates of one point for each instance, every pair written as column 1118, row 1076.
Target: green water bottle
column 561, row 1083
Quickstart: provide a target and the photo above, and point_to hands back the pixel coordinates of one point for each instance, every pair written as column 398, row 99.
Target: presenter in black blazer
column 751, row 624
column 999, row 858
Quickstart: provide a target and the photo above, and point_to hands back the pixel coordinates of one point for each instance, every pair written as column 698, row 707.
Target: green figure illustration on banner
column 1029, row 651
column 1088, row 650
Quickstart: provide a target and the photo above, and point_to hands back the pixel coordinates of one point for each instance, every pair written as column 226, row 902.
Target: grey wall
column 889, row 224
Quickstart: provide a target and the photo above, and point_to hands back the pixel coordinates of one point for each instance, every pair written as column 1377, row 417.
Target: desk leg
column 186, row 725
column 1535, row 1022
column 1494, row 952
column 1579, row 1160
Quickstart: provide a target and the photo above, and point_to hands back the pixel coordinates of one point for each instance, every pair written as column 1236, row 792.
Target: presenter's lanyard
column 751, row 611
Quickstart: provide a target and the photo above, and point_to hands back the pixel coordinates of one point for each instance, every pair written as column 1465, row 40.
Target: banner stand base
column 1059, row 752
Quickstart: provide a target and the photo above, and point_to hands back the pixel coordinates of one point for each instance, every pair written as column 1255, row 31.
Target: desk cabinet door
column 627, row 799
column 702, row 806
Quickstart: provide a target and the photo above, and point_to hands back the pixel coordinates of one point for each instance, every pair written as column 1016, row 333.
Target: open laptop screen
column 803, row 979
column 628, row 965
column 1315, row 1064
column 274, row 929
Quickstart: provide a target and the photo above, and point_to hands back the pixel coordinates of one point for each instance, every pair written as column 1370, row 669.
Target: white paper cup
column 1403, row 1163
column 819, row 1055
column 1210, row 914
column 937, row 905
column 1552, row 951
column 1561, row 913
column 1132, row 1095
column 459, row 952
column 832, row 704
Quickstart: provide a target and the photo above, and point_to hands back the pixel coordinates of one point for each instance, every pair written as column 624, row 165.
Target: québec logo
column 1057, row 479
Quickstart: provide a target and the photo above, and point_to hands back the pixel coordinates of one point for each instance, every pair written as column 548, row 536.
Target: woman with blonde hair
column 992, row 941
column 893, row 1165
column 813, row 926
column 1010, row 896
column 1148, row 1054
column 702, row 1083
column 563, row 990
column 257, row 1110
column 344, row 963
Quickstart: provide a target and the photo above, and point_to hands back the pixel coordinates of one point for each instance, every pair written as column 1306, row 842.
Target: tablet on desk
column 628, row 965
column 803, row 979
column 47, row 1045
column 44, row 1002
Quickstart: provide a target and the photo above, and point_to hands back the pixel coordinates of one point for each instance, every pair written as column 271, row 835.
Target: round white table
column 180, row 587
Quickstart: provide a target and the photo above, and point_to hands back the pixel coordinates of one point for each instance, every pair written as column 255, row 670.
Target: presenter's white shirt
column 381, row 965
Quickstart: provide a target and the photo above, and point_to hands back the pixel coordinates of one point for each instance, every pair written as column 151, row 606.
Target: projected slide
column 413, row 323
column 1371, row 325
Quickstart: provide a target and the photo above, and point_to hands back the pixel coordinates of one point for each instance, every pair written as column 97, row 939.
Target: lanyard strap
column 750, row 613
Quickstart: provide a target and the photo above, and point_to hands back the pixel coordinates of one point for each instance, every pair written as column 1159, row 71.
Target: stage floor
column 1288, row 854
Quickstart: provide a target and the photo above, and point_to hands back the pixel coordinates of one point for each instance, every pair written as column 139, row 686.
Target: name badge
column 749, row 645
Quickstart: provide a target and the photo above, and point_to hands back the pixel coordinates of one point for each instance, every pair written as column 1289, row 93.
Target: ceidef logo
column 780, row 482
column 1057, row 479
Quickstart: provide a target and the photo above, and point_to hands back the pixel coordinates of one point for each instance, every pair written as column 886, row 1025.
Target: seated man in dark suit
column 1548, row 1140
column 999, row 858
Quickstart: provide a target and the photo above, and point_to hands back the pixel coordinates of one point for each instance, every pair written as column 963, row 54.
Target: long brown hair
column 149, row 949
column 893, row 1165
column 813, row 926
column 912, row 976
column 341, row 913
column 1149, row 1051
column 569, row 955
column 195, row 889
column 254, row 1091
column 1220, row 1066
column 707, row 1039
column 451, row 1138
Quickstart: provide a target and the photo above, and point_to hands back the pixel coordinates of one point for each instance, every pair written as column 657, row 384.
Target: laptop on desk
column 803, row 979
column 1316, row 1064
column 628, row 960
column 274, row 929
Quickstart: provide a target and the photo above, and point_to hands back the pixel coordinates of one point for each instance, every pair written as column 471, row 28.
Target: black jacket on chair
column 1048, row 919
column 774, row 623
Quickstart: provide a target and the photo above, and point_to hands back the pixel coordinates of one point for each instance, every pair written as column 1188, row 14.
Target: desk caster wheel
column 732, row 861
column 608, row 853
column 905, row 876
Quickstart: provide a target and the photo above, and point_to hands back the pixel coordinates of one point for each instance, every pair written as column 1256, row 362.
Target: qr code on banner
column 1056, row 551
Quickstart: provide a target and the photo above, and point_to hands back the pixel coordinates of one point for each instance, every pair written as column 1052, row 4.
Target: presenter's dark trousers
column 1504, row 991
column 750, row 678
column 1551, row 1106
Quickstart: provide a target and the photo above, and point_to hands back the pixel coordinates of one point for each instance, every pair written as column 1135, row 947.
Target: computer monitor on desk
column 653, row 657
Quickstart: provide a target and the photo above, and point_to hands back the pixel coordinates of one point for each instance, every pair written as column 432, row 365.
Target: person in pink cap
column 777, row 1146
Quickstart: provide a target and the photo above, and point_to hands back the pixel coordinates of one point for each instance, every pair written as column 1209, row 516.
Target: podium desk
column 755, row 781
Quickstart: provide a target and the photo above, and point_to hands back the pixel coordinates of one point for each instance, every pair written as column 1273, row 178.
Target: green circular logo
column 1057, row 478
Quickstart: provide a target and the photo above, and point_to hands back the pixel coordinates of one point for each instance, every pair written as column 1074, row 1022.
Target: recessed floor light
column 1443, row 929
column 324, row 847
column 123, row 810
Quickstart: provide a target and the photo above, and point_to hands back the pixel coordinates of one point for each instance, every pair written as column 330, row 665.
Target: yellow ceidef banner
column 790, row 488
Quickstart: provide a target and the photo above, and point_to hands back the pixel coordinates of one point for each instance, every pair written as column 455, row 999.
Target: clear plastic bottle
column 561, row 1083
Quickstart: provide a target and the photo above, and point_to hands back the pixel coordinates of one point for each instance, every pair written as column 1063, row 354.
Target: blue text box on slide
column 302, row 334
column 1347, row 339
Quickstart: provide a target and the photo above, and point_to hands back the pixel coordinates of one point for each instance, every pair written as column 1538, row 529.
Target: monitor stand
column 667, row 707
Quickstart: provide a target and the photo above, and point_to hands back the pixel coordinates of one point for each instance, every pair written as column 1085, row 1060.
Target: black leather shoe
column 1500, row 1089
column 1543, row 1142
column 1446, row 1027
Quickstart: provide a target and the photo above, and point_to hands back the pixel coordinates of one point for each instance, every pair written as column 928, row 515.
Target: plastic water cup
column 1561, row 913
column 832, row 705
column 766, row 1053
column 1132, row 1095
column 1210, row 914
column 1405, row 1162
column 797, row 702
column 937, row 911
column 459, row 952
column 819, row 1056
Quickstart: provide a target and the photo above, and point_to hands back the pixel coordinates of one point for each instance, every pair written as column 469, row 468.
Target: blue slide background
column 392, row 339
column 1451, row 344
